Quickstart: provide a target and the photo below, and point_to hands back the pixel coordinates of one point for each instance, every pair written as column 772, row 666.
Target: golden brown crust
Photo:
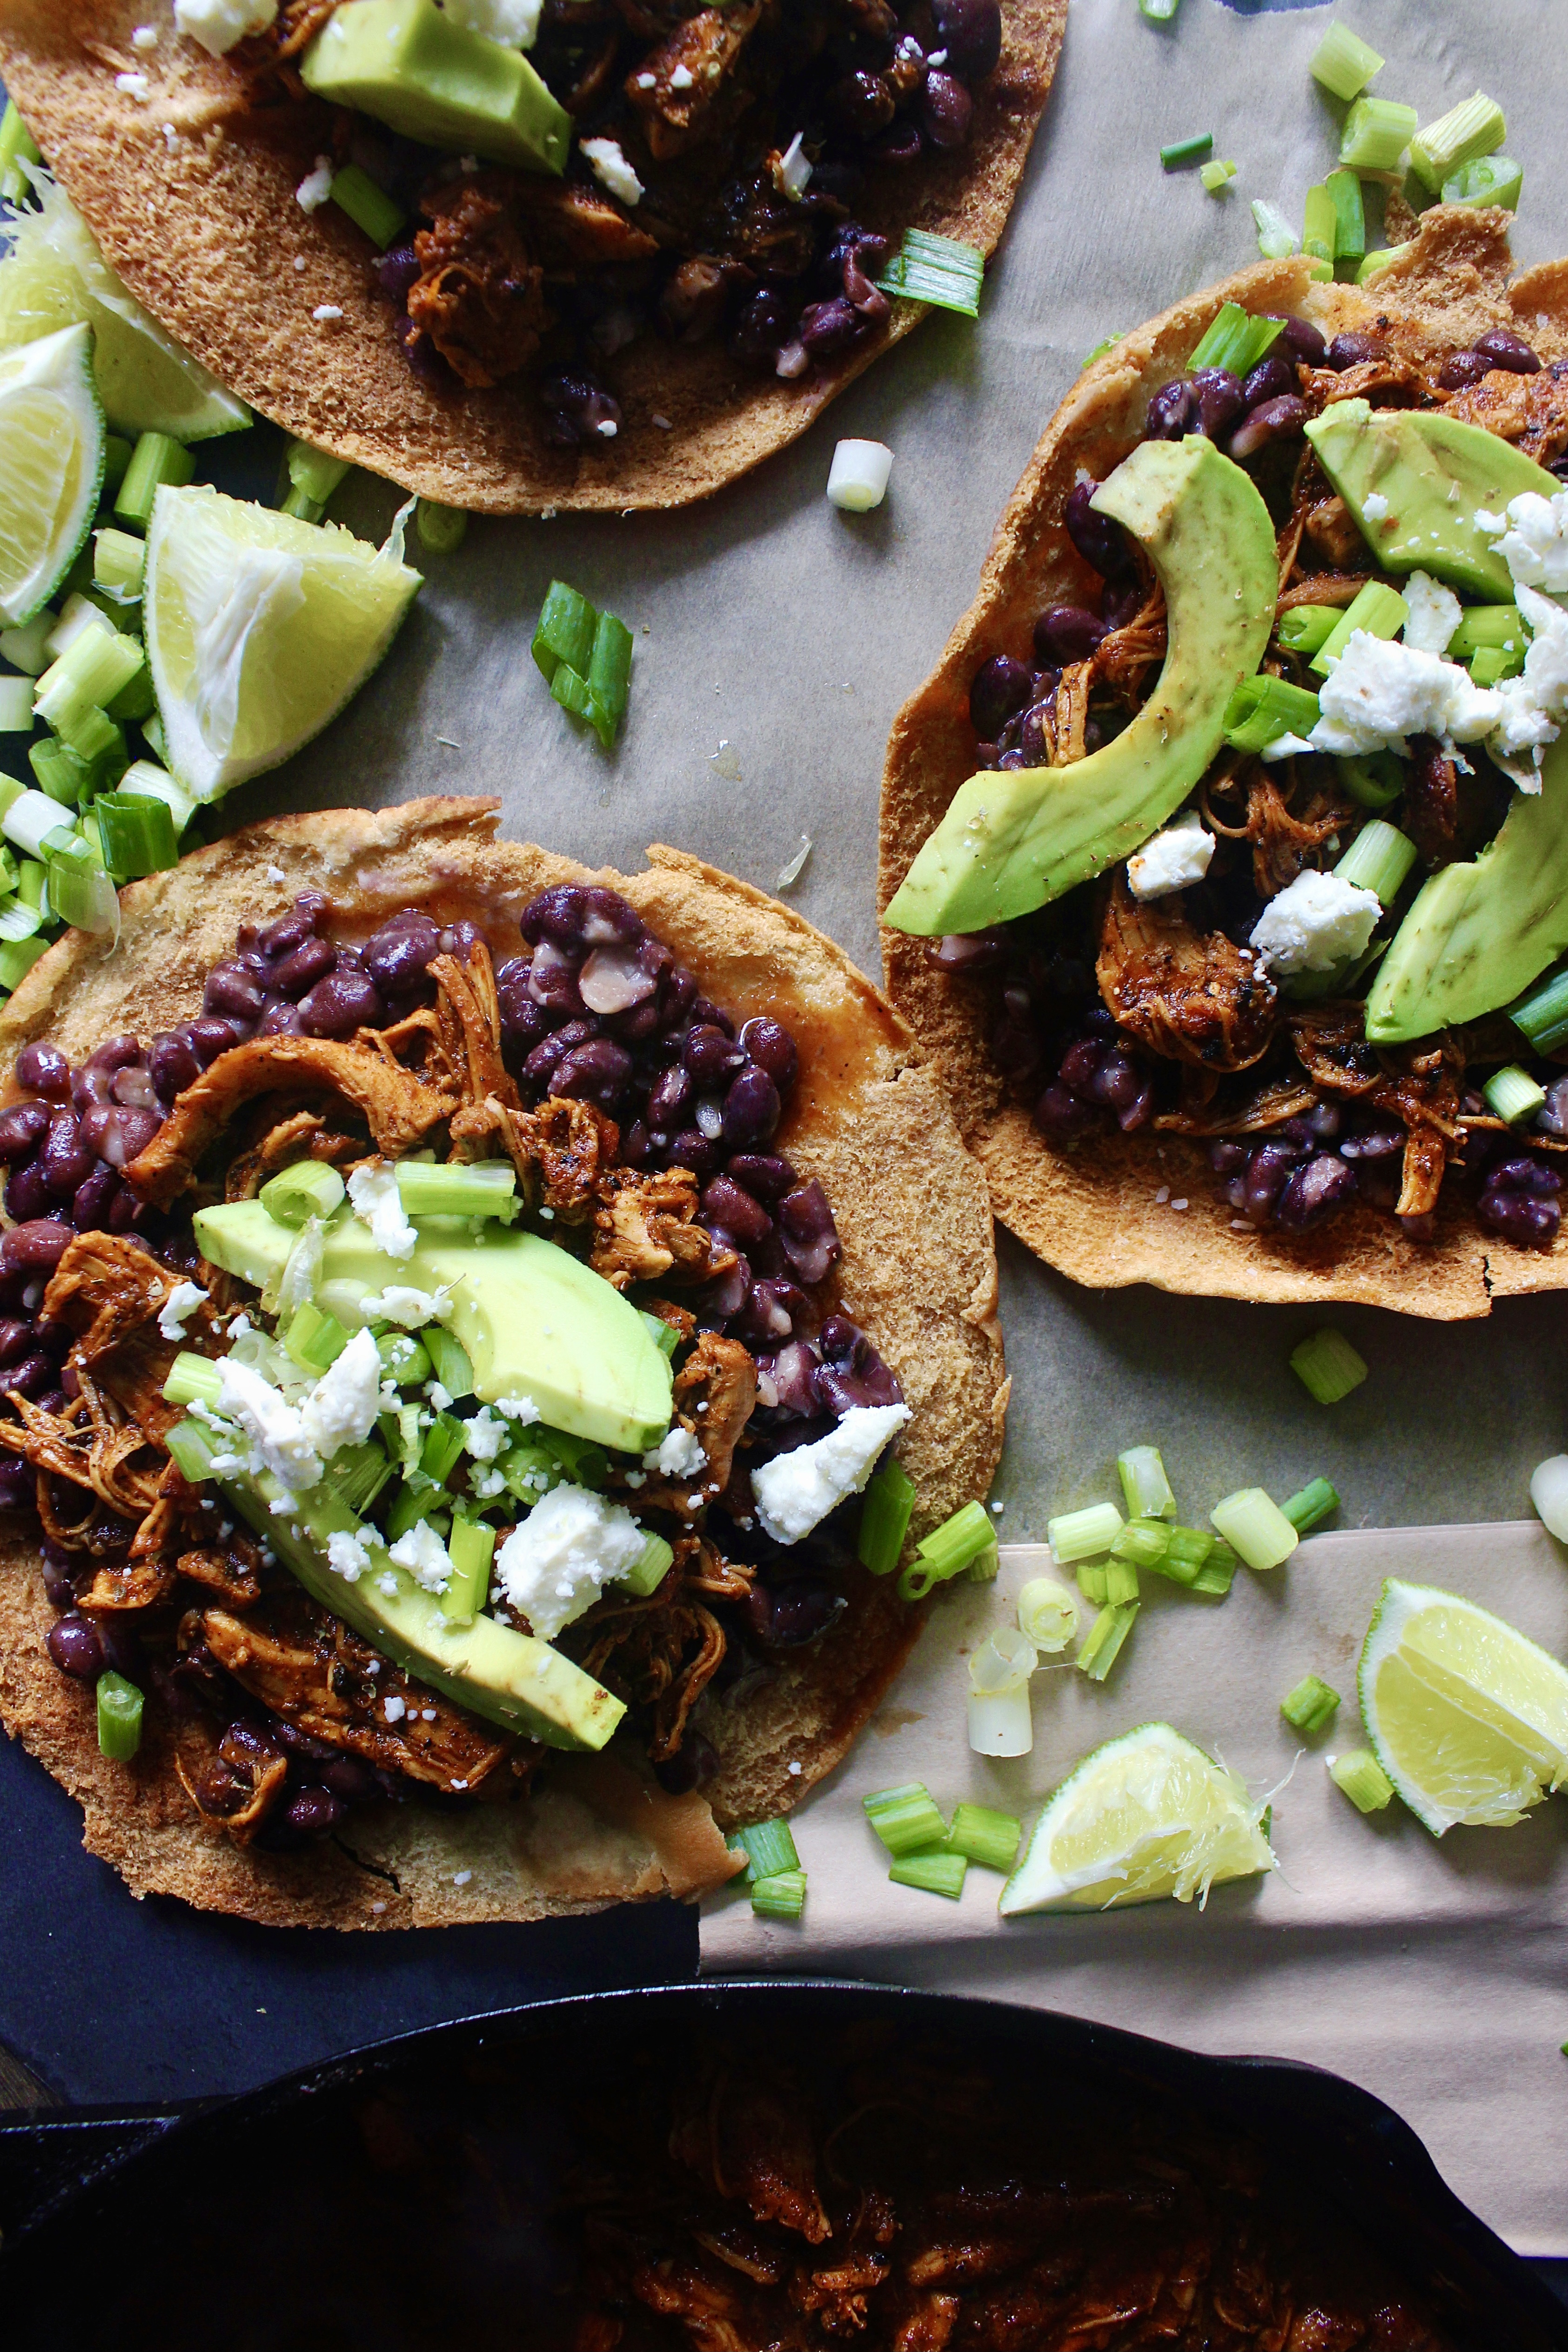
column 206, row 232
column 920, row 1273
column 1092, row 1213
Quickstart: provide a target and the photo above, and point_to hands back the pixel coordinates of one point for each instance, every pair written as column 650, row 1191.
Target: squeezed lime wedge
column 51, row 465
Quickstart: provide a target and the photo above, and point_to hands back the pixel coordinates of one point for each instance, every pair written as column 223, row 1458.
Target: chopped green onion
column 313, row 1339
column 356, row 1474
column 1233, row 339
column 1311, row 1705
column 1145, row 1489
column 1186, row 1548
column 17, row 958
column 1262, row 708
column 934, row 1873
column 474, row 1188
column 1320, row 223
column 138, row 835
column 1350, row 216
column 1158, row 12
column 1105, row 1636
column 565, row 631
column 1343, row 63
column 29, row 820
column 1217, row 1573
column 1276, row 238
column 1378, row 260
column 1513, row 1095
column 769, row 1848
column 20, row 921
column 442, row 530
column 1121, row 1582
column 11, row 792
column 648, row 1572
column 192, row 1379
column 1091, row 1575
column 1363, row 1779
column 1328, row 1368
column 443, row 1448
column 1376, row 782
column 940, row 270
column 100, row 746
column 1305, row 627
column 987, row 1565
column 1492, row 180
column 985, row 1836
column 367, row 205
column 1083, row 1535
column 80, row 892
column 418, row 1497
column 154, row 461
column 1492, row 664
column 885, row 1518
column 191, row 1448
column 17, row 146
column 471, row 1547
column 1378, row 860
column 1218, row 176
column 406, row 1359
column 947, row 1551
column 25, row 649
column 149, row 782
column 905, row 1818
column 1376, row 134
column 1255, row 1526
column 119, row 1718
column 609, row 672
column 15, row 705
column 1462, row 136
column 1048, row 1614
column 152, row 732
column 1142, row 1543
column 88, row 675
column 783, row 1897
column 1381, row 612
column 451, row 1358
column 119, row 560
column 999, row 1719
column 1099, row 351
column 665, row 1336
column 1311, row 1506
column 1186, row 150
column 313, row 476
column 311, row 1187
column 1541, row 1015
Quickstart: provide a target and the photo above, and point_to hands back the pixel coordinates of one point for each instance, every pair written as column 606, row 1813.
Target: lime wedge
column 1146, row 1815
column 1468, row 1719
column 55, row 276
column 260, row 629
column 51, row 465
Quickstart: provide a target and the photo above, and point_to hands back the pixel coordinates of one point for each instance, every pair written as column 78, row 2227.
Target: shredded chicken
column 1191, row 996
column 680, row 104
column 571, row 227
column 751, row 2138
column 480, row 296
column 235, row 1782
column 716, row 1394
column 1335, row 534
column 1529, row 410
column 1282, row 842
column 563, row 1152
column 646, row 1229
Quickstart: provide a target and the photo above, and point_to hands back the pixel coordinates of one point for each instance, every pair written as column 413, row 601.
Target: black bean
column 172, row 1065
column 353, row 1779
column 211, row 1036
column 708, row 1055
column 829, row 327
column 398, row 270
column 970, row 33
column 806, row 1230
column 340, row 1004
column 94, row 1081
column 772, row 1309
column 1220, row 399
column 788, row 1616
column 43, row 1070
column 1462, row 368
column 1313, row 1192
column 35, row 1246
column 116, row 1134
column 694, row 1763
column 1274, row 420
column 63, row 1157
column 232, row 992
column 667, row 1098
column 947, row 113
column 396, row 956
column 853, row 1373
column 1066, row 632
column 860, row 104
column 280, row 1019
column 552, row 978
column 15, row 1339
column 768, row 1175
column 691, row 1148
column 1002, row 686
column 311, row 1813
column 763, row 325
column 1172, row 412
column 727, row 1203
column 581, row 413
column 93, row 1201
column 1507, row 350
column 22, row 1126
column 1268, row 1171
column 18, row 1489
column 1355, row 350
column 73, row 1643
column 597, row 1072
column 27, row 1193
column 709, row 1015
column 302, row 967
column 52, row 1339
column 1527, row 1221
column 1102, row 543
column 772, row 1047
column 32, row 1376
column 1269, row 380
column 1553, row 1117
column 751, row 1109
column 1378, row 1139
column 1305, row 341
column 791, row 1376
column 898, row 147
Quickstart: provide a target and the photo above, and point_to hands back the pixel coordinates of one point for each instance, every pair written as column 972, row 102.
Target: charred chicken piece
column 1190, row 996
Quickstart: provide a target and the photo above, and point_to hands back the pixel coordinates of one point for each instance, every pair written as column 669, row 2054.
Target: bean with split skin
column 1274, row 420
column 667, row 1098
column 1220, row 399
column 116, row 1134
column 727, row 1203
column 1172, row 412
column 22, row 1127
column 711, row 1056
column 232, row 993
column 809, row 1232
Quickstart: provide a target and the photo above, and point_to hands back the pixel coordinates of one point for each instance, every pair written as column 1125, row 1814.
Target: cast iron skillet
column 290, row 2218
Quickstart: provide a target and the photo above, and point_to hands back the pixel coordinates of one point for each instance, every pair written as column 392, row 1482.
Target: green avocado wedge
column 1013, row 840
column 1433, row 474
column 1479, row 934
column 425, row 75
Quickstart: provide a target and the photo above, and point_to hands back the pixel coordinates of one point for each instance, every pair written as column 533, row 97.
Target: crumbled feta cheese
column 1173, row 858
column 313, row 190
column 394, row 1708
column 400, row 1302
column 1535, row 549
column 1284, row 747
column 681, row 78
column 424, row 1555
column 1379, row 692
column 610, row 168
column 792, row 172
column 386, row 1582
column 485, row 1436
column 348, row 1555
column 144, row 37
column 271, row 1423
column 134, row 84
column 518, row 1408
column 324, row 311
column 1535, row 703
column 178, row 1307
column 487, row 1484
column 1434, row 614
column 513, row 23
column 796, row 1491
column 679, row 1455
column 276, row 874
column 439, row 1395
column 570, row 1545
column 301, row 1270
column 378, row 1203
column 1314, row 923
column 341, row 1410
column 1375, row 506
column 461, row 1877
column 648, row 81
column 217, row 25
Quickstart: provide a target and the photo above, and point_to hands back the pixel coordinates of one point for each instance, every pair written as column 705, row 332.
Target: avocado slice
column 410, row 65
column 1479, row 934
column 1434, row 473
column 493, row 1670
column 1012, row 840
column 534, row 1319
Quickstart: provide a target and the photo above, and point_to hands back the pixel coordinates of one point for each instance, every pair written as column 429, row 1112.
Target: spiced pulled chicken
column 750, row 132
column 640, row 1119
column 1109, row 1016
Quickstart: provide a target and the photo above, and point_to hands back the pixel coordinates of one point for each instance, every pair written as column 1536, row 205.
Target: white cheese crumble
column 348, row 1555
column 610, row 168
column 858, row 477
column 401, row 1302
column 513, row 23
column 1284, row 747
column 144, row 37
column 485, row 1436
column 315, row 188
column 681, row 78
column 1434, row 613
column 796, row 1491
column 792, row 172
column 178, row 1307
column 1375, row 506
column 1173, row 858
column 341, row 1410
column 518, row 1408
column 378, row 1203
column 1535, row 549
column 570, row 1545
column 1379, row 692
column 439, row 1394
column 271, row 1423
column 1314, row 923
column 217, row 25
column 679, row 1455
column 134, row 84
column 1535, row 703
column 276, row 874
column 324, row 311
column 424, row 1555
column 394, row 1708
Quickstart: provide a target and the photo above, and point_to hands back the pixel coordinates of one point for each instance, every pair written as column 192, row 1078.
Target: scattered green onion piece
column 984, row 1836
column 15, row 705
column 1378, row 260
column 1492, row 180
column 119, row 560
column 935, row 1873
column 102, row 747
column 311, row 1187
column 947, row 1551
column 80, row 892
column 1513, row 1095
column 566, row 630
column 356, row 1474
column 119, row 1718
column 314, row 473
column 904, row 1818
column 313, row 1339
column 449, row 1359
column 1145, row 1489
column 191, row 1448
column 1105, row 1636
column 1541, row 1015
column 1376, row 133
column 138, row 835
column 29, row 821
column 1236, row 339
column 154, row 461
column 1090, row 1575
column 1255, row 1526
column 475, row 1187
column 1350, row 216
column 12, row 790
column 609, row 673
column 10, row 868
column 418, row 1497
column 1083, row 1535
column 1328, row 1368
column 1492, row 664
column 1311, row 1506
column 1186, row 150
column 367, row 205
column 152, row 732
column 1158, row 12
column 147, row 781
column 885, row 1518
column 1048, row 1614
column 999, row 1719
column 1186, row 1548
column 20, row 921
column 1262, row 708
column 1121, row 1582
column 648, row 1572
column 1217, row 1573
column 442, row 530
column 1311, row 1705
column 17, row 958
column 783, row 1897
column 1463, row 135
column 471, row 1546
column 987, row 1565
column 1320, row 223
column 1374, row 782
column 405, row 1357
column 1142, row 1543
column 1305, row 627
column 1099, row 351
column 940, row 270
column 86, row 676
column 1378, row 860
column 1363, row 1779
column 769, row 1848
column 1381, row 612
column 25, row 649
column 1343, row 63
column 1277, row 239
column 192, row 1379
column 665, row 1336
column 17, row 146
column 1218, row 176
column 442, row 1449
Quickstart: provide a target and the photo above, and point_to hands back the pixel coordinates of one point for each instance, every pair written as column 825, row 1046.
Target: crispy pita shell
column 1092, row 1213
column 919, row 1274
column 206, row 232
